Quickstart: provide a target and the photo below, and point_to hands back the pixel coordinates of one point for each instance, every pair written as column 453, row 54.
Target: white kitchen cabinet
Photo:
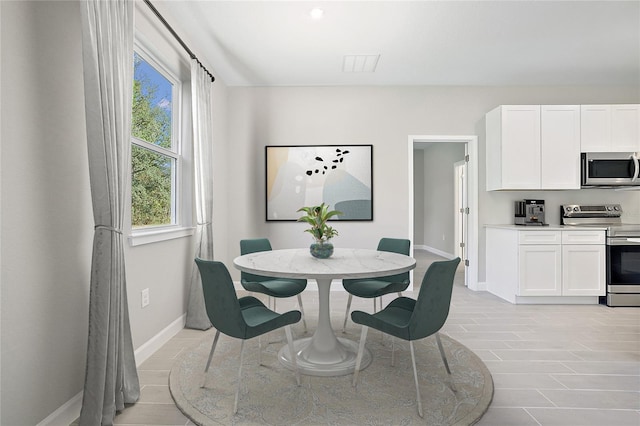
column 546, row 265
column 610, row 128
column 583, row 263
column 513, row 147
column 625, row 128
column 560, row 147
column 540, row 270
column 583, row 270
column 533, row 147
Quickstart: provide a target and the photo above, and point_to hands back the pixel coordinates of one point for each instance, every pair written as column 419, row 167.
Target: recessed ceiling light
column 316, row 13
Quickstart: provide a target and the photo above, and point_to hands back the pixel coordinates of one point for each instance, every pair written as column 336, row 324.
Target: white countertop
column 547, row 227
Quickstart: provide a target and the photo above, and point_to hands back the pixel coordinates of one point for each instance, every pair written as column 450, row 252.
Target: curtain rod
column 177, row 37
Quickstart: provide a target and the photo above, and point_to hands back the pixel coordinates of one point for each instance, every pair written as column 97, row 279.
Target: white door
column 461, row 211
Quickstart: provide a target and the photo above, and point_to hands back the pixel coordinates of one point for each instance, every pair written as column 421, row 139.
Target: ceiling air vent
column 360, row 63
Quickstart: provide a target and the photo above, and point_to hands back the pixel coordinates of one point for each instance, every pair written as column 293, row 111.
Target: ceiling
column 277, row 43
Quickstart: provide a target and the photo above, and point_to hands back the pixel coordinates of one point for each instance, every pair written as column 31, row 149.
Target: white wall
column 384, row 117
column 47, row 222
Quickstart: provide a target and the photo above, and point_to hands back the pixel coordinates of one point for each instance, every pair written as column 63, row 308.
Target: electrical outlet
column 144, row 299
column 442, row 237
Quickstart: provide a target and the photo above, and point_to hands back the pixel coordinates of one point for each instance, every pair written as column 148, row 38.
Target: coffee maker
column 529, row 212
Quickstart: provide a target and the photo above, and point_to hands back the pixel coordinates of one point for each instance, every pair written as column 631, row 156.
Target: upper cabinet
column 513, row 147
column 560, row 147
column 610, row 128
column 533, row 147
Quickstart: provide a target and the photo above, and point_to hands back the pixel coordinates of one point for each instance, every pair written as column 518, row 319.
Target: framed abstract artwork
column 338, row 175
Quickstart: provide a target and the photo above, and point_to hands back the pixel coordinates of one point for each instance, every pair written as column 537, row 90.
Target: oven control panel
column 591, row 210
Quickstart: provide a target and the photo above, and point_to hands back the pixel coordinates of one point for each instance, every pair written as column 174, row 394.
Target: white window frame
column 181, row 206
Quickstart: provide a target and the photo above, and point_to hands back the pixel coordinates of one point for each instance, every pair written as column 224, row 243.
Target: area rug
column 385, row 395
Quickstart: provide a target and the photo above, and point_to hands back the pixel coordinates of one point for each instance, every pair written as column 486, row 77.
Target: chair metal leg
column 260, row 350
column 374, row 305
column 287, row 330
column 444, row 358
column 393, row 351
column 363, row 339
column 304, row 321
column 206, row 368
column 235, row 403
column 346, row 315
column 415, row 376
column 213, row 348
column 446, row 364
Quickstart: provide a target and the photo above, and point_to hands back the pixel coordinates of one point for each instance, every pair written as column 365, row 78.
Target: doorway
column 470, row 259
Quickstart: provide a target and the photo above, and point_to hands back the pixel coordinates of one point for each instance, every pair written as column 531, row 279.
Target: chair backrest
column 252, row 246
column 434, row 299
column 220, row 298
column 395, row 245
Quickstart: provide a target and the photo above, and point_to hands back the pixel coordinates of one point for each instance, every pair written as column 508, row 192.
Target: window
column 159, row 196
column 154, row 156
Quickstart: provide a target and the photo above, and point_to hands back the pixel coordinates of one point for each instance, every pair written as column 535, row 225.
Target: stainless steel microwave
column 610, row 169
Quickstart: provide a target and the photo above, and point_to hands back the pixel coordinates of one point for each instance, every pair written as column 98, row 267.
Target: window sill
column 139, row 238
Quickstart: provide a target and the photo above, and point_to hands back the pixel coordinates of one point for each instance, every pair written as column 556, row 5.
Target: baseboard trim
column 70, row 410
column 481, row 286
column 66, row 414
column 436, row 251
column 156, row 342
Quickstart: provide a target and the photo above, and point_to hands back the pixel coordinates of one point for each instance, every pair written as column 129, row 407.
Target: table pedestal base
column 324, row 354
column 339, row 361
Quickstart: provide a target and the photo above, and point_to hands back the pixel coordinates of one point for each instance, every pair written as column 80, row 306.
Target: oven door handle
column 634, row 158
column 623, row 241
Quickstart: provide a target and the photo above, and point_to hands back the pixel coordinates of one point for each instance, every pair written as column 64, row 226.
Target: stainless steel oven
column 610, row 169
column 622, row 249
column 623, row 266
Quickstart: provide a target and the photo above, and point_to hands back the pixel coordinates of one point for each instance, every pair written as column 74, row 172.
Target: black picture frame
column 307, row 175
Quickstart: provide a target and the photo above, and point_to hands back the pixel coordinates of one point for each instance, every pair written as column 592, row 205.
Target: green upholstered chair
column 371, row 288
column 242, row 318
column 273, row 287
column 410, row 319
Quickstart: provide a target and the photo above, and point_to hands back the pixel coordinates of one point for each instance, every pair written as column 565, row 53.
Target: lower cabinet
column 583, row 270
column 554, row 266
column 540, row 270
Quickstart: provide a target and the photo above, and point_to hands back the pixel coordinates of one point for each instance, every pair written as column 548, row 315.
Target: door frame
column 460, row 202
column 471, row 142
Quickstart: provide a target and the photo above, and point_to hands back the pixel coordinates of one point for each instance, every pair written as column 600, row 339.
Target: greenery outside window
column 157, row 193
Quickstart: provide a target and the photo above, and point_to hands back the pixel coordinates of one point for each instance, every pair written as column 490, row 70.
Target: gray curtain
column 111, row 379
column 203, row 174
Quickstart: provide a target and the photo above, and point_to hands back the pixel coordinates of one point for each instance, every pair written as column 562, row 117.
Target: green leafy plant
column 317, row 217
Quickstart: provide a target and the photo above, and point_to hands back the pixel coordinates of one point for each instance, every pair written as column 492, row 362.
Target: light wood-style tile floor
column 551, row 364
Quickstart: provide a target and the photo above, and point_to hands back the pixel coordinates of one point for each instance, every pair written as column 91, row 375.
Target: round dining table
column 324, row 354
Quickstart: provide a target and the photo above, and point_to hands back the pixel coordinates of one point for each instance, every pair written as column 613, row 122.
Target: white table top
column 344, row 263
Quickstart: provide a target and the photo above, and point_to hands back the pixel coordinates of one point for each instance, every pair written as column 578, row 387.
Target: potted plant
column 317, row 217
